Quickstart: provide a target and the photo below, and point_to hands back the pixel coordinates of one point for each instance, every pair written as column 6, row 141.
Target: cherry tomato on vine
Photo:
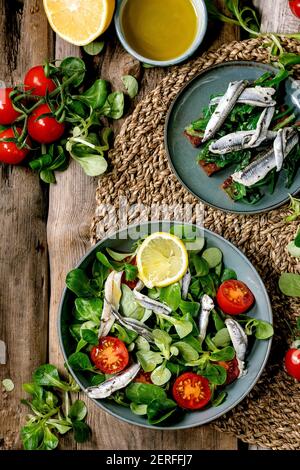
column 36, row 80
column 110, row 356
column 9, row 152
column 295, row 7
column 191, row 391
column 143, row 377
column 234, row 297
column 232, row 369
column 8, row 114
column 292, row 363
column 46, row 129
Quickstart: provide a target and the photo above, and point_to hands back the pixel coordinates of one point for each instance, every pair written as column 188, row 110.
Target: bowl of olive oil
column 161, row 32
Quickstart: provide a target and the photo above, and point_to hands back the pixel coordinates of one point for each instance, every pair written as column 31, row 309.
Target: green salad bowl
column 256, row 358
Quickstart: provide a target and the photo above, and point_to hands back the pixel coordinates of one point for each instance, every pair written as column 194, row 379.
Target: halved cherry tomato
column 110, row 356
column 9, row 152
column 292, row 363
column 130, row 284
column 143, row 377
column 232, row 369
column 191, row 391
column 234, row 297
column 37, row 81
column 46, row 129
column 295, row 7
column 8, row 114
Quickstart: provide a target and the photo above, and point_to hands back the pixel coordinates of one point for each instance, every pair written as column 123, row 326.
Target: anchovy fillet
column 150, row 304
column 240, row 342
column 254, row 96
column 264, row 163
column 262, row 126
column 224, row 107
column 185, row 284
column 238, row 141
column 121, row 380
column 134, row 325
column 112, row 296
column 280, row 147
column 207, row 305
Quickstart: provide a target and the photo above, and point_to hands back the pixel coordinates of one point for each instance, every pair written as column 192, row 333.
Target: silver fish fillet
column 279, row 147
column 185, row 284
column 150, row 304
column 113, row 384
column 262, row 127
column 207, row 305
column 112, row 296
column 254, row 96
column 224, row 107
column 238, row 141
column 240, row 342
column 134, row 325
column 264, row 163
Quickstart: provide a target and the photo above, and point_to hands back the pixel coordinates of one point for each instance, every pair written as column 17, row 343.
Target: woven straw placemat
column 270, row 415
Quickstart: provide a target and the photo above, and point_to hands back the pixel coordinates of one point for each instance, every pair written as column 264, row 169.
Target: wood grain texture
column 68, row 240
column 277, row 16
column 23, row 244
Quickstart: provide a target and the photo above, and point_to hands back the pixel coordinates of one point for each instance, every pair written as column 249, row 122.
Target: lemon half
column 79, row 21
column 162, row 259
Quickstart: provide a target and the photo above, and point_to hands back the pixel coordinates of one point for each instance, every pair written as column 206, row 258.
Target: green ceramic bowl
column 257, row 356
column 188, row 106
column 201, row 11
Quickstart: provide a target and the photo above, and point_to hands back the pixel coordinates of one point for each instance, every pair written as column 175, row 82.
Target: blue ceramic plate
column 188, row 106
column 257, row 356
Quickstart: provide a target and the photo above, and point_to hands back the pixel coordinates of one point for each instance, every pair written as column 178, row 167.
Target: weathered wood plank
column 68, row 239
column 23, row 245
column 277, row 16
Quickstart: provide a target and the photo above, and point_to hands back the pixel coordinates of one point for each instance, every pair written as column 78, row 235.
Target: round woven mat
column 270, row 415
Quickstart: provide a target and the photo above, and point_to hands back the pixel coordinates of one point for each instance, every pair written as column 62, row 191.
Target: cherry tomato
column 143, row 377
column 8, row 114
column 130, row 284
column 110, row 356
column 191, row 391
column 46, row 129
column 292, row 363
column 232, row 369
column 295, row 7
column 37, row 81
column 234, row 297
column 9, row 152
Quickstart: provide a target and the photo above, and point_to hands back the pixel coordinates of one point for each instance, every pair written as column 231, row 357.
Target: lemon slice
column 79, row 21
column 162, row 259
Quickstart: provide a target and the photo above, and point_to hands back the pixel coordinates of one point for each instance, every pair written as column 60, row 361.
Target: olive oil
column 159, row 29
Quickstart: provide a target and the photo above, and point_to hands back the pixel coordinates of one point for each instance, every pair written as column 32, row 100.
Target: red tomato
column 143, row 377
column 234, row 297
column 232, row 369
column 110, row 356
column 45, row 130
column 130, row 284
column 295, row 7
column 9, row 152
column 292, row 363
column 37, row 81
column 191, row 391
column 8, row 114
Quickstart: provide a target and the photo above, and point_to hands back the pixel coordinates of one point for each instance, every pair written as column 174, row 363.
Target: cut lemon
column 162, row 259
column 79, row 21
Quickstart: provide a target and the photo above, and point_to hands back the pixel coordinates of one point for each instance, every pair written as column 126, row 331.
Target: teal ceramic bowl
column 182, row 156
column 257, row 356
column 201, row 11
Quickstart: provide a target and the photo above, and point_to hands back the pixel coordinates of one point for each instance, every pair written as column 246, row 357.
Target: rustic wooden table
column 46, row 231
